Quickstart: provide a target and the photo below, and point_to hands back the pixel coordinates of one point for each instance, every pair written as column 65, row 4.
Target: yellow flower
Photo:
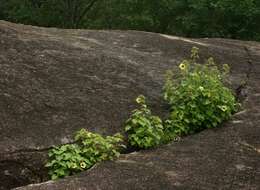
column 223, row 108
column 140, row 99
column 182, row 66
column 83, row 165
column 201, row 88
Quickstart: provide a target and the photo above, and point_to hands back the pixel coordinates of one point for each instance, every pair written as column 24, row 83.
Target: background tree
column 237, row 19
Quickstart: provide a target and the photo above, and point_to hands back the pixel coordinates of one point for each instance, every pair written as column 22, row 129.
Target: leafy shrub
column 89, row 149
column 197, row 96
column 144, row 130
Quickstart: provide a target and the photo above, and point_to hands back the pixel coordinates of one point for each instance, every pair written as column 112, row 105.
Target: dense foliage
column 144, row 129
column 197, row 96
column 198, row 99
column 192, row 18
column 89, row 149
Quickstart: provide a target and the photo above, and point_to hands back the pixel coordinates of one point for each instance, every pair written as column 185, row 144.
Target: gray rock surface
column 54, row 82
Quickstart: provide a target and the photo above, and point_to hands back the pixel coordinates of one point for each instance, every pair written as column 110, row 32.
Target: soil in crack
column 14, row 174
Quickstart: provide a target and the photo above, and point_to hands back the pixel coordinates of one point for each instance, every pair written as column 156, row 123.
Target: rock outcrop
column 54, row 82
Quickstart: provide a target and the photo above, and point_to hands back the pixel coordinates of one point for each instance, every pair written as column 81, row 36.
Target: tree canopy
column 238, row 19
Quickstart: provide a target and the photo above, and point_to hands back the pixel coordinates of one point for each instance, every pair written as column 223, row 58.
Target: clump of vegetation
column 198, row 99
column 89, row 149
column 197, row 96
column 144, row 129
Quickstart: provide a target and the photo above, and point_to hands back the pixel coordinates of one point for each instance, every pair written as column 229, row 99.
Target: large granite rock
column 54, row 82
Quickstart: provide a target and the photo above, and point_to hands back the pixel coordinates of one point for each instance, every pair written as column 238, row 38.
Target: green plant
column 89, row 149
column 197, row 96
column 144, row 130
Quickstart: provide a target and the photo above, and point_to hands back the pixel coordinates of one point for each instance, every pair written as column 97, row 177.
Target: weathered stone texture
column 54, row 82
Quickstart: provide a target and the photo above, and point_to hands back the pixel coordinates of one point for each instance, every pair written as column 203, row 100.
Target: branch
column 84, row 12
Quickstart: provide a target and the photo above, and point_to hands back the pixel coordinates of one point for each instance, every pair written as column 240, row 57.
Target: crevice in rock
column 130, row 150
column 23, row 167
column 15, row 174
column 242, row 89
column 29, row 151
column 34, row 150
column 26, row 166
